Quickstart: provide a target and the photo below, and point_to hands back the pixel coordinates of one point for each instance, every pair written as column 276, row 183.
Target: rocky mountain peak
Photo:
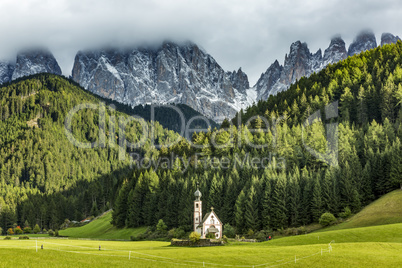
column 35, row 61
column 335, row 52
column 297, row 63
column 364, row 41
column 170, row 73
column 300, row 62
column 239, row 80
column 268, row 80
column 388, row 38
column 6, row 71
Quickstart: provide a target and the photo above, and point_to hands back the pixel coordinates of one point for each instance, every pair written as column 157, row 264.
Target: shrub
column 36, row 229
column 7, row 238
column 250, row 233
column 24, row 237
column 194, row 237
column 225, row 238
column 210, row 236
column 27, row 230
column 171, row 233
column 327, row 219
column 261, row 236
column 229, row 231
column 56, row 233
column 346, row 213
column 50, row 232
column 179, row 233
column 18, row 230
column 1, row 230
column 10, row 231
column 161, row 226
column 281, row 231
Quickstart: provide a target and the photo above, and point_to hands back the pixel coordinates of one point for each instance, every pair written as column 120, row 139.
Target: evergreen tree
column 278, row 215
column 239, row 212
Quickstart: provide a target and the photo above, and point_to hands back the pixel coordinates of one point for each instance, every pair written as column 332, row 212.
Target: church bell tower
column 197, row 211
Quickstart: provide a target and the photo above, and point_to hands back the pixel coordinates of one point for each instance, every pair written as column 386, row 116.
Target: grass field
column 101, row 228
column 353, row 245
column 378, row 246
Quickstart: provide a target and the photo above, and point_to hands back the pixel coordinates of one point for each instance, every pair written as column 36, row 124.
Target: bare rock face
column 239, row 80
column 268, row 80
column 171, row 73
column 298, row 63
column 28, row 63
column 335, row 52
column 387, row 38
column 35, row 61
column 364, row 41
column 6, row 71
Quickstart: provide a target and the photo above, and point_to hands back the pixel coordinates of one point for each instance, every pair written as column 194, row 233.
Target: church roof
column 206, row 217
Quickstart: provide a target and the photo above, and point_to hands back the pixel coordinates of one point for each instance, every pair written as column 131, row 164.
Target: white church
column 210, row 223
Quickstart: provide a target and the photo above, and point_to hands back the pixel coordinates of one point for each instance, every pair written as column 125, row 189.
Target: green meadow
column 377, row 246
column 353, row 244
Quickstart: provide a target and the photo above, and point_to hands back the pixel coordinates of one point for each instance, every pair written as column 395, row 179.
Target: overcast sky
column 237, row 33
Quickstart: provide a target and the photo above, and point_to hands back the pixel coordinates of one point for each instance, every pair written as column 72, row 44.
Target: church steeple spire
column 197, row 193
column 197, row 210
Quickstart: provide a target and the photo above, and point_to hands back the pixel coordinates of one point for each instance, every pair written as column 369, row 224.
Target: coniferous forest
column 45, row 179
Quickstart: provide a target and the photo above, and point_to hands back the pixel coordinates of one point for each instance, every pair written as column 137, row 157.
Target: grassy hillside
column 101, row 228
column 385, row 210
column 377, row 246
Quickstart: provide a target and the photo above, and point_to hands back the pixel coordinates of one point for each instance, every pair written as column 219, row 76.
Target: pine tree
column 239, row 212
column 278, row 215
column 396, row 164
column 267, row 204
column 316, row 200
column 251, row 210
column 294, row 198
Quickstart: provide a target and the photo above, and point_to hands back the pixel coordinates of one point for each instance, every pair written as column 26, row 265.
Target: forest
column 45, row 179
column 369, row 157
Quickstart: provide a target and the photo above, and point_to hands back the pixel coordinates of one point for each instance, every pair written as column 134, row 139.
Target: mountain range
column 185, row 73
